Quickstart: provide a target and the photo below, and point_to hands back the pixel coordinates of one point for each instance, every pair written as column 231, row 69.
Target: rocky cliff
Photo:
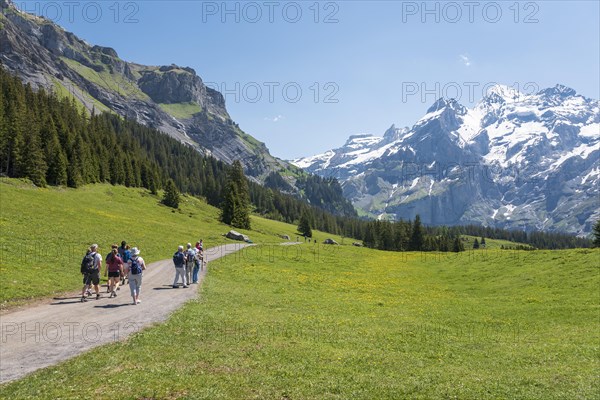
column 170, row 98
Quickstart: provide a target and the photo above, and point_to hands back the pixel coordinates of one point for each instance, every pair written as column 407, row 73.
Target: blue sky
column 359, row 65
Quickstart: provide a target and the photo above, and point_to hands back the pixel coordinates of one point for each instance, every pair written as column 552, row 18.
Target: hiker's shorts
column 91, row 278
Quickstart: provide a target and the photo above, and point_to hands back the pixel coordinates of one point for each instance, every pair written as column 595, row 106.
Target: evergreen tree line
column 54, row 141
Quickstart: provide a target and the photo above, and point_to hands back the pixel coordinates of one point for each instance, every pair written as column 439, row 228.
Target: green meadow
column 314, row 321
column 44, row 232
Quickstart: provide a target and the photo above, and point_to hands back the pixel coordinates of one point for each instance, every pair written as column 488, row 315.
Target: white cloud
column 275, row 119
column 465, row 59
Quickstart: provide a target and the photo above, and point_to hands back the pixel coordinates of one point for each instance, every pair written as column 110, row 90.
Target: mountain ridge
column 169, row 98
column 512, row 161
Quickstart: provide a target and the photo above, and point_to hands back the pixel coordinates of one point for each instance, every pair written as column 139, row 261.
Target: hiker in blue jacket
column 179, row 262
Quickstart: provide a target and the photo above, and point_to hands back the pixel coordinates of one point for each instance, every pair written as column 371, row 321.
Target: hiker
column 179, row 262
column 108, row 256
column 114, row 268
column 90, row 268
column 125, row 254
column 198, row 265
column 190, row 262
column 134, row 269
column 122, row 250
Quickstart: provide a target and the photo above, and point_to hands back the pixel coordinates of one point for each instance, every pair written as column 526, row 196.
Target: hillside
column 170, row 98
column 45, row 231
column 513, row 161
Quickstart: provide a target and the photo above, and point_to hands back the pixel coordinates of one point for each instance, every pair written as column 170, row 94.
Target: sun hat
column 135, row 251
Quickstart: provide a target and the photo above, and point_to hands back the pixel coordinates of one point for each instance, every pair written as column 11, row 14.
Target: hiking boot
column 139, row 301
column 98, row 296
column 114, row 294
column 83, row 299
column 185, row 286
column 175, row 287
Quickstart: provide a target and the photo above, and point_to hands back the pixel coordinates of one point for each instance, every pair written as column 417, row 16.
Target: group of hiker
column 188, row 264
column 124, row 264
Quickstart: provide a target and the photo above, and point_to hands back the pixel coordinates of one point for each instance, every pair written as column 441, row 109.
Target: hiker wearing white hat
column 179, row 262
column 134, row 269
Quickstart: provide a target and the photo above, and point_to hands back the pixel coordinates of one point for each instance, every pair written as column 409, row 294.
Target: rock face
column 512, row 161
column 169, row 98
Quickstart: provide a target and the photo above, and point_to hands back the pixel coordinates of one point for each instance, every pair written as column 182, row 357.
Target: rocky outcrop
column 169, row 98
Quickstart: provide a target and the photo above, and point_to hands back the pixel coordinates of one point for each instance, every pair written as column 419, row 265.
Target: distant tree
column 171, row 196
column 597, row 234
column 457, row 245
column 304, row 227
column 482, row 241
column 416, row 239
column 475, row 244
column 235, row 208
column 369, row 236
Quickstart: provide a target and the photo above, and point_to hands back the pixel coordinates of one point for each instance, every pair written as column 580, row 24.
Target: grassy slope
column 334, row 322
column 114, row 82
column 181, row 110
column 44, row 232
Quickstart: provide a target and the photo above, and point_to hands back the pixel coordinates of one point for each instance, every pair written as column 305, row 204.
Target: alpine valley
column 514, row 160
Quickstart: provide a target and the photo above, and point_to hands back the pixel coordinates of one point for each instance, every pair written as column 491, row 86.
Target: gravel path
column 45, row 334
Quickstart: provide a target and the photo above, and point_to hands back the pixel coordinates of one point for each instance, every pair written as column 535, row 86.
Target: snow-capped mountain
column 513, row 160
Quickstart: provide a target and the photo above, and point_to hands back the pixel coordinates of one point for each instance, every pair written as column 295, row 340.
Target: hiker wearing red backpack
column 114, row 268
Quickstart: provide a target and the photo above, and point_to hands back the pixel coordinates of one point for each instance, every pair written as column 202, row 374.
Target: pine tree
column 416, row 239
column 171, row 196
column 235, row 208
column 597, row 234
column 457, row 246
column 476, row 244
column 304, row 227
column 369, row 236
column 482, row 241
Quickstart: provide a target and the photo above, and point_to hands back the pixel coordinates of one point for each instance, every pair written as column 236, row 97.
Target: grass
column 344, row 322
column 44, row 232
column 181, row 110
column 63, row 92
column 113, row 82
column 320, row 322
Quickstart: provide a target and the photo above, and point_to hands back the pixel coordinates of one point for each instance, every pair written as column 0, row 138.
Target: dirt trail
column 45, row 334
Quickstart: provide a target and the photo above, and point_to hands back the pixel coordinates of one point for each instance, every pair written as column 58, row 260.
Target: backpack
column 136, row 268
column 190, row 259
column 87, row 264
column 178, row 259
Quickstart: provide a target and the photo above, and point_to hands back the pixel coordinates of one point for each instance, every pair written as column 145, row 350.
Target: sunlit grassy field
column 342, row 322
column 323, row 322
column 44, row 232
